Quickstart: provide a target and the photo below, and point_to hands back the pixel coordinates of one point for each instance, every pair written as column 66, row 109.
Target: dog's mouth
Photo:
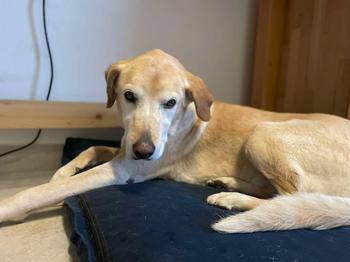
column 145, row 159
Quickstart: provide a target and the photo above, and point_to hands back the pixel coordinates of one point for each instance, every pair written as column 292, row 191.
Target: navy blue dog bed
column 164, row 221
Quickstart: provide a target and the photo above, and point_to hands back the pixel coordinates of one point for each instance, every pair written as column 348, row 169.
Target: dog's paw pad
column 216, row 183
column 210, row 183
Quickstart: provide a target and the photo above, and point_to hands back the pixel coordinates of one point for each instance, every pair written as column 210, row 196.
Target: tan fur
column 288, row 170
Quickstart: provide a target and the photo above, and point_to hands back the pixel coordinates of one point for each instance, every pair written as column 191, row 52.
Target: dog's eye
column 130, row 97
column 170, row 103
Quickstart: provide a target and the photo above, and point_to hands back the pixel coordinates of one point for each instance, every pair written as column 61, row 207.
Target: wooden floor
column 43, row 236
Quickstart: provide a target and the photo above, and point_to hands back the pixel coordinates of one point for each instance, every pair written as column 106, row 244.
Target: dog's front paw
column 64, row 172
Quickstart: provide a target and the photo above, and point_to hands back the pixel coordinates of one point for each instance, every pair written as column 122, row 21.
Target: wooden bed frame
column 21, row 114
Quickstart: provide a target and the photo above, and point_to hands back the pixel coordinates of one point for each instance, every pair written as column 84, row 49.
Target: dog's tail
column 299, row 210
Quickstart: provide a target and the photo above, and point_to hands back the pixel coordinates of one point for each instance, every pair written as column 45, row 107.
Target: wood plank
column 42, row 114
column 268, row 48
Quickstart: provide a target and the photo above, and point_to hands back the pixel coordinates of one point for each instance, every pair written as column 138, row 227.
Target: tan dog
column 301, row 161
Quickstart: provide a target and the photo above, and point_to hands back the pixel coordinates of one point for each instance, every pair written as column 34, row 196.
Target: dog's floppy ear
column 198, row 92
column 111, row 75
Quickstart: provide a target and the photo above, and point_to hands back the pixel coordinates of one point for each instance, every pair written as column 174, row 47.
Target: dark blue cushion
column 168, row 221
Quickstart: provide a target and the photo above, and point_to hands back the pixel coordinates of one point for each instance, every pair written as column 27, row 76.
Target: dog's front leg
column 91, row 156
column 20, row 205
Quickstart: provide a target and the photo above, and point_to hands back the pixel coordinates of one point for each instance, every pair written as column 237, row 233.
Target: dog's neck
column 184, row 123
column 188, row 129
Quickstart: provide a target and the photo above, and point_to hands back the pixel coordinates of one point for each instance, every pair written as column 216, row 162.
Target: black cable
column 48, row 50
column 50, row 84
column 23, row 147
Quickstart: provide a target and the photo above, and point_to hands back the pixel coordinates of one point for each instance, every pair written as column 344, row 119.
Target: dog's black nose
column 143, row 150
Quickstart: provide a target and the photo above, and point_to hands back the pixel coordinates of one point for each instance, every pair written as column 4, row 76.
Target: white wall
column 213, row 39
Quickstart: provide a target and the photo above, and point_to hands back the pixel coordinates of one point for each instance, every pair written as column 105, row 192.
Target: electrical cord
column 50, row 84
column 48, row 50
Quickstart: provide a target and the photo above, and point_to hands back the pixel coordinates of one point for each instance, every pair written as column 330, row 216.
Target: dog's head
column 152, row 92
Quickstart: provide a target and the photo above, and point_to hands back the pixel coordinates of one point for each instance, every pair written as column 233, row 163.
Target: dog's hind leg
column 92, row 156
column 268, row 155
column 234, row 200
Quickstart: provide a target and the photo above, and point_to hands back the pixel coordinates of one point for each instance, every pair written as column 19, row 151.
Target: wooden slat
column 315, row 68
column 43, row 114
column 268, row 49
